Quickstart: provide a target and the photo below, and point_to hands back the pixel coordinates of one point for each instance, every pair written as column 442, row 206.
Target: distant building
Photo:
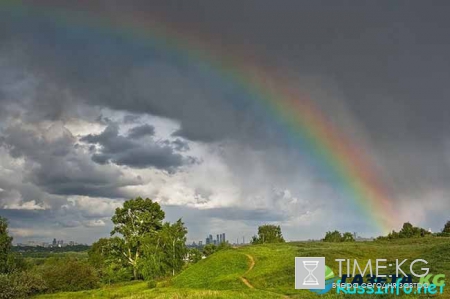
column 220, row 238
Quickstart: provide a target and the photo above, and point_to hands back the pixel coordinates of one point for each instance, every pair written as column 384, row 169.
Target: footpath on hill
column 250, row 268
column 252, row 264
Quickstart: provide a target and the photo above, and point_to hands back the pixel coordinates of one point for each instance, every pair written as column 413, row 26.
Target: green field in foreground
column 267, row 271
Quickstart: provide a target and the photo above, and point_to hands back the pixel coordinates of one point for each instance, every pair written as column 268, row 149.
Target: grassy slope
column 219, row 276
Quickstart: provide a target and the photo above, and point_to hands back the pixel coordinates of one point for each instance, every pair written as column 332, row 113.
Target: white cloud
column 30, row 232
column 29, row 205
column 95, row 223
column 92, row 206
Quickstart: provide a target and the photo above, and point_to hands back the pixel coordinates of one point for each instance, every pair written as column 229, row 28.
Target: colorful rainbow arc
column 300, row 117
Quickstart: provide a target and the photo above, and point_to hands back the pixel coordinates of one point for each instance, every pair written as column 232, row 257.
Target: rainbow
column 300, row 118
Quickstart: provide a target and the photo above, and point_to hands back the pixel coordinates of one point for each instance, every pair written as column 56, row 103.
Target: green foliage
column 407, row 231
column 194, row 255
column 5, row 245
column 68, row 274
column 21, row 285
column 137, row 219
column 164, row 251
column 16, row 263
column 43, row 252
column 209, row 249
column 446, row 229
column 336, row 236
column 348, row 237
column 174, row 240
column 145, row 246
column 268, row 234
column 114, row 273
column 99, row 252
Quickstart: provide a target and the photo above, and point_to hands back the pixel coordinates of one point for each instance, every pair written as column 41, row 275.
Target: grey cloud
column 55, row 165
column 246, row 215
column 127, row 151
column 386, row 63
column 178, row 145
column 130, row 118
column 141, row 131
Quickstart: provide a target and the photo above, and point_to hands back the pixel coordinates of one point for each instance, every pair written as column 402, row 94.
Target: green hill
column 267, row 271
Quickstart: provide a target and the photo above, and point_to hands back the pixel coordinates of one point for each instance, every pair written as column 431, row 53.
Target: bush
column 21, row 285
column 114, row 273
column 335, row 236
column 68, row 274
column 151, row 284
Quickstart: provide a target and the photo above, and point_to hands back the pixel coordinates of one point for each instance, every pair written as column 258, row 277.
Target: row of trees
column 410, row 231
column 336, row 236
column 20, row 278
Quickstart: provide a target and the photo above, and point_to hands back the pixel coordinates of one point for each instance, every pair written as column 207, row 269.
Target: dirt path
column 250, row 268
column 252, row 264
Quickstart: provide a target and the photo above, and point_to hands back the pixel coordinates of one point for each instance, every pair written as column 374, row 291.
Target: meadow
column 267, row 271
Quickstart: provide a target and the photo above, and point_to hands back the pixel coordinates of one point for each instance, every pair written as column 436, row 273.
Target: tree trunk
column 135, row 274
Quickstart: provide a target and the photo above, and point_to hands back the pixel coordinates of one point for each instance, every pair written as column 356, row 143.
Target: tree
column 137, row 219
column 5, row 245
column 268, row 234
column 446, row 229
column 98, row 253
column 174, row 240
column 194, row 255
column 348, row 237
column 407, row 231
column 335, row 236
column 209, row 249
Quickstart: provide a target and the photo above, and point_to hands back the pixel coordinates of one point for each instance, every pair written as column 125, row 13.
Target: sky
column 92, row 115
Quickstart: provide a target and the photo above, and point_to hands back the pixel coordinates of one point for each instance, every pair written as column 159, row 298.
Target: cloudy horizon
column 89, row 118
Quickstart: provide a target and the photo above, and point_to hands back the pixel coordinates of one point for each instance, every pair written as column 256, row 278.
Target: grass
column 220, row 275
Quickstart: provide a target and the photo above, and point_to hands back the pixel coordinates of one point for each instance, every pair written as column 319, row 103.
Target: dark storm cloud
column 386, row 61
column 55, row 165
column 127, row 151
column 254, row 215
column 178, row 145
column 141, row 131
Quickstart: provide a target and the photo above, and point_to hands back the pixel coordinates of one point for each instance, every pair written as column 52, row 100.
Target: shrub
column 114, row 273
column 21, row 285
column 335, row 236
column 68, row 274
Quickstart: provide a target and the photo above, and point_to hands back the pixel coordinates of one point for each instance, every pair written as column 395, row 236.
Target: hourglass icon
column 310, row 279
